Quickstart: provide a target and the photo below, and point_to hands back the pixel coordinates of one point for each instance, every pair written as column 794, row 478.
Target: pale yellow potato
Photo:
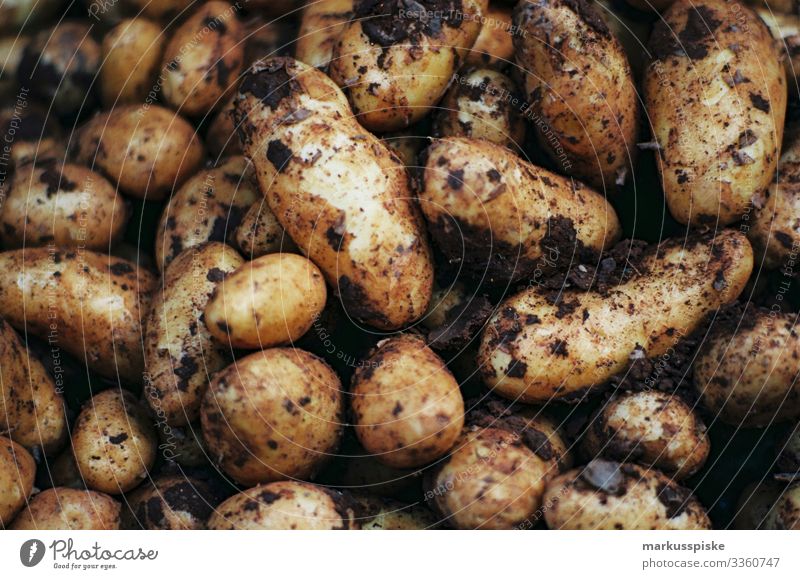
column 785, row 514
column 378, row 514
column 285, row 506
column 339, row 193
column 270, row 301
column 746, row 370
column 17, row 471
column 320, row 27
column 34, row 133
column 89, row 304
column 407, row 144
column 175, row 502
column 148, row 150
column 716, row 103
column 180, row 354
column 775, row 6
column 494, row 46
column 631, row 30
column 114, row 441
column 260, row 233
column 785, row 29
column 443, row 301
column 756, row 503
column 406, row 404
column 533, row 350
column 65, row 509
column 32, row 411
column 131, row 55
column 500, row 216
column 396, row 62
column 605, row 495
column 62, row 205
column 275, row 414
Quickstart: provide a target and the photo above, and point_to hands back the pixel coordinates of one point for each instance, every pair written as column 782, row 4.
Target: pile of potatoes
column 382, row 264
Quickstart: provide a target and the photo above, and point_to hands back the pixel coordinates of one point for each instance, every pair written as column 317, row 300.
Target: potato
column 320, row 27
column 746, row 370
column 652, row 428
column 203, row 59
column 480, row 104
column 89, row 304
column 534, row 350
column 183, row 445
column 779, row 6
column 147, row 150
column 180, row 354
column 500, row 217
column 221, row 138
column 259, row 233
column 16, row 14
column 284, row 506
column 114, row 442
column 407, row 407
column 176, row 502
column 273, row 415
column 30, row 134
column 631, row 30
column 494, row 47
column 161, row 9
column 789, row 452
column 270, row 301
column 11, row 50
column 785, row 28
column 131, row 56
column 209, row 207
column 376, row 514
column 583, row 99
column 407, row 144
column 785, row 515
column 396, row 61
column 716, row 98
column 63, row 206
column 17, row 471
column 32, row 411
column 756, row 503
column 63, row 472
column 265, row 36
column 63, row 509
column 606, row 495
column 338, row 192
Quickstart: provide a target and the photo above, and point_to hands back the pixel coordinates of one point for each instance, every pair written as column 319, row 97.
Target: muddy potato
column 501, row 217
column 785, row 514
column 114, row 441
column 266, row 37
column 62, row 205
column 377, row 514
column 395, row 63
column 183, row 445
column 494, row 47
column 176, row 502
column 407, row 144
column 11, row 49
column 164, row 10
column 785, row 29
column 30, row 133
column 340, row 194
column 535, row 350
column 270, row 301
column 285, row 506
column 746, row 371
column 209, row 207
column 180, row 354
column 147, row 150
column 221, row 138
column 64, row 509
column 131, row 55
column 17, row 471
column 16, row 14
column 756, row 503
column 260, row 233
column 320, row 27
column 716, row 152
column 302, row 397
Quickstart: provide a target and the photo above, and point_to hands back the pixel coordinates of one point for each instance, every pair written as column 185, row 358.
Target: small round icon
column 32, row 552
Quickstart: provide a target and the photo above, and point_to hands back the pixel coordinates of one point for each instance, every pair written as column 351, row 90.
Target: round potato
column 320, row 27
column 785, row 514
column 64, row 509
column 17, row 472
column 30, row 134
column 260, row 233
column 14, row 14
column 376, row 514
column 131, row 55
column 176, row 502
column 494, row 47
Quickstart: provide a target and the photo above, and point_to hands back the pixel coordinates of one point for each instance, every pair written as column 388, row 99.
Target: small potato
column 17, row 471
column 480, row 105
column 273, row 415
column 163, row 10
column 376, row 514
column 756, row 503
column 114, row 441
column 652, row 428
column 131, row 56
column 63, row 509
column 221, row 138
column 494, row 47
column 147, row 150
column 270, row 301
column 285, row 506
column 716, row 97
column 407, row 144
column 407, row 406
column 501, row 217
column 11, row 50
column 606, row 495
column 746, row 371
column 180, row 354
column 320, row 27
column 31, row 134
column 177, row 502
column 61, row 205
column 16, row 14
column 785, row 514
column 260, row 233
column 209, row 207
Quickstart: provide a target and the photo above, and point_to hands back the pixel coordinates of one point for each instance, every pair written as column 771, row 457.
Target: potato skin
column 285, row 505
column 715, row 154
column 64, row 509
column 581, row 89
column 302, row 397
column 320, row 27
column 606, row 495
column 221, row 138
column 494, row 47
column 161, row 10
column 407, row 406
column 180, row 354
column 746, row 371
column 496, row 213
column 17, row 471
column 260, row 233
column 377, row 514
column 337, row 190
column 785, row 515
column 533, row 350
column 34, row 133
column 177, row 502
column 131, row 54
column 14, row 14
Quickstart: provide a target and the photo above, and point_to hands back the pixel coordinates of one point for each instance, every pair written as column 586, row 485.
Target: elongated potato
column 320, row 27
column 494, row 47
column 716, row 98
column 337, row 190
column 396, row 61
column 498, row 215
column 63, row 509
column 785, row 28
column 259, row 233
column 17, row 471
column 180, row 354
column 581, row 89
column 131, row 54
column 176, row 502
column 535, row 350
column 89, row 304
